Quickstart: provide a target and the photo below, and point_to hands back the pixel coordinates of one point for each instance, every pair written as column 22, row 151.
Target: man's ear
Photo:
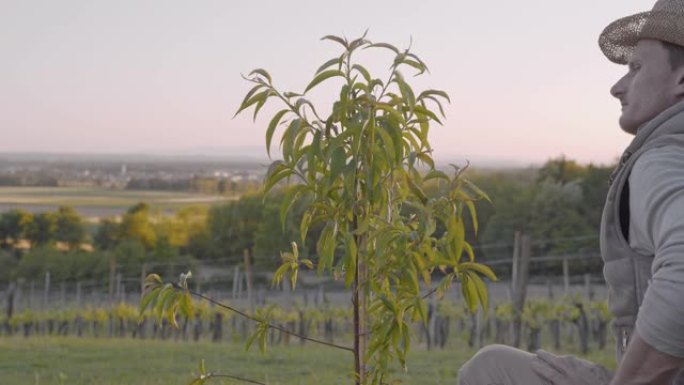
column 679, row 86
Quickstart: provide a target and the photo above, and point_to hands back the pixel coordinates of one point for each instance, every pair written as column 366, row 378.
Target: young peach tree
column 361, row 171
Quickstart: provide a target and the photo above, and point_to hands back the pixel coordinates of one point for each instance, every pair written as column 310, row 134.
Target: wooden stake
column 521, row 289
column 249, row 278
column 566, row 277
column 46, row 290
column 143, row 274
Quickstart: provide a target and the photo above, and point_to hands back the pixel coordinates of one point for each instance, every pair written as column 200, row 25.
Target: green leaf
column 185, row 307
column 304, row 226
column 262, row 337
column 357, row 43
column 480, row 268
column 480, row 288
column 439, row 104
column 260, row 97
column 470, row 252
column 277, row 171
column 291, row 95
column 444, row 285
column 337, row 163
column 426, row 159
column 406, row 91
column 257, row 108
column 435, row 174
column 323, row 76
column 473, row 214
column 248, row 97
column 307, row 263
column 420, row 110
column 337, row 39
column 271, row 129
column 469, row 291
column 302, row 102
column 251, row 339
column 325, row 247
column 329, row 63
column 387, row 141
column 394, row 113
column 416, row 58
column 291, row 197
column 261, row 72
column 385, row 45
column 363, row 71
column 288, row 139
column 293, row 276
column 147, row 298
column 164, row 296
column 420, row 67
column 434, row 92
column 421, row 309
column 154, row 279
column 416, row 190
column 279, row 273
column 480, row 193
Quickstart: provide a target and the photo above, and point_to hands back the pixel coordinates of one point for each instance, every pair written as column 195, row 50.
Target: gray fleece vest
column 626, row 271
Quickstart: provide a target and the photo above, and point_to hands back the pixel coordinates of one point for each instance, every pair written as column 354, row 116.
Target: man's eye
column 634, row 66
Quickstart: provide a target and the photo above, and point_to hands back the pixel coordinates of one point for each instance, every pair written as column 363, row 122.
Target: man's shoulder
column 656, row 172
column 660, row 159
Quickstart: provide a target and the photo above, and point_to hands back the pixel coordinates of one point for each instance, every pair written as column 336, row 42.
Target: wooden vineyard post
column 119, row 288
column 566, row 277
column 112, row 277
column 588, row 287
column 521, row 288
column 78, row 295
column 63, row 293
column 46, row 290
column 249, row 278
column 515, row 261
column 10, row 300
column 143, row 274
column 236, row 282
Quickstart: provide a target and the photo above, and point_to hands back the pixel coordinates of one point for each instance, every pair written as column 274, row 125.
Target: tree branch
column 212, row 375
column 429, row 293
column 249, row 317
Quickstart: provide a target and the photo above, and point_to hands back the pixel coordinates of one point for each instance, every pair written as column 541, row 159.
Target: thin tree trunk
column 360, row 302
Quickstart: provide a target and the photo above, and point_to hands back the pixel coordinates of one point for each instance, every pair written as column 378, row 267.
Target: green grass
column 48, row 361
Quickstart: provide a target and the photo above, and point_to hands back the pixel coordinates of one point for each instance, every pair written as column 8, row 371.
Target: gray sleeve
column 657, row 226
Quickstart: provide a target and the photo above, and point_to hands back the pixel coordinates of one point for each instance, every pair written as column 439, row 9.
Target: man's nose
column 619, row 89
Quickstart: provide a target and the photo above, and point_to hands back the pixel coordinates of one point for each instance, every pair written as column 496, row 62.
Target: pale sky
column 526, row 78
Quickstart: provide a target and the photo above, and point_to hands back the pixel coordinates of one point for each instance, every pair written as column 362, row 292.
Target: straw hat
column 665, row 23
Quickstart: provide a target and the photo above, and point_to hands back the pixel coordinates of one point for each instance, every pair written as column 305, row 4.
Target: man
column 642, row 230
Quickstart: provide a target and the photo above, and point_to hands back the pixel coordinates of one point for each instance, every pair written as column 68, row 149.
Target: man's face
column 648, row 88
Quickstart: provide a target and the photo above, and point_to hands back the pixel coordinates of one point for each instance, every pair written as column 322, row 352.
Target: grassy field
column 48, row 361
column 93, row 199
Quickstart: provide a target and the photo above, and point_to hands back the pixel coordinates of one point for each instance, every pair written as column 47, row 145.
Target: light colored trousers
column 504, row 365
column 499, row 365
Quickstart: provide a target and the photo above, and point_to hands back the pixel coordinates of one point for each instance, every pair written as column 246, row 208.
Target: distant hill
column 243, row 155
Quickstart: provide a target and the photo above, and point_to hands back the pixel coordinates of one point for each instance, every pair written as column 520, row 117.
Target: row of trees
column 558, row 205
column 65, row 225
